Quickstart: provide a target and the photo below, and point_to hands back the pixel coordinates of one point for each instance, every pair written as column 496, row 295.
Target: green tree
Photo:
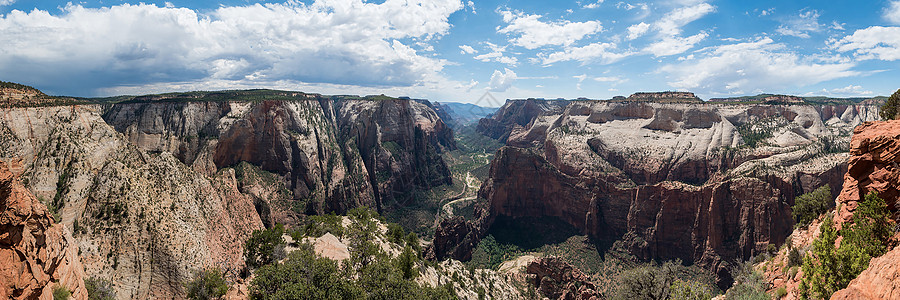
column 99, row 289
column 828, row 268
column 748, row 284
column 264, row 246
column 690, row 290
column 648, row 282
column 61, row 293
column 303, row 275
column 809, row 206
column 889, row 110
column 207, row 284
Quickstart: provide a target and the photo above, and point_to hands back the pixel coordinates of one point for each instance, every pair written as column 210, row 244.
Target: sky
column 454, row 51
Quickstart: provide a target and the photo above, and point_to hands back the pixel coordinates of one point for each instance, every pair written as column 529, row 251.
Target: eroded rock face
column 881, row 280
column 557, row 279
column 145, row 221
column 672, row 180
column 875, row 153
column 36, row 254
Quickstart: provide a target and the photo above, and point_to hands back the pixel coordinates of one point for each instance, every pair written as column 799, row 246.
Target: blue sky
column 451, row 50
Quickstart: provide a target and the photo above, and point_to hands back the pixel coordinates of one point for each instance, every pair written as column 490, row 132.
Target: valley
column 567, row 199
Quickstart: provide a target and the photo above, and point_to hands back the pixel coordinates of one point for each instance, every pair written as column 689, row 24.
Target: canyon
column 156, row 188
column 710, row 184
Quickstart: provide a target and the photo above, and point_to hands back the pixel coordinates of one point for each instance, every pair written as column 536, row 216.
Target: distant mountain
column 462, row 114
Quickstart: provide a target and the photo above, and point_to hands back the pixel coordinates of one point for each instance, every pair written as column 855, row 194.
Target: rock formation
column 875, row 153
column 556, row 279
column 708, row 184
column 156, row 188
column 881, row 280
column 36, row 253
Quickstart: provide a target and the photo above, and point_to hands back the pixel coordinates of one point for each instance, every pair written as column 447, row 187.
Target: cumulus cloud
column 637, row 30
column 675, row 45
column 671, row 23
column 801, row 25
column 892, row 12
column 502, row 81
column 532, row 33
column 592, row 5
column 471, row 6
column 81, row 50
column 497, row 55
column 850, row 90
column 599, row 52
column 466, row 49
column 7, row 2
column 876, row 42
column 750, row 67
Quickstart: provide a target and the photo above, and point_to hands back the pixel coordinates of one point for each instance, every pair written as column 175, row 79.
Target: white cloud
column 766, row 12
column 468, row 87
column 749, row 67
column 800, row 25
column 81, row 50
column 592, row 5
column 599, row 52
column 7, row 2
column 892, row 12
column 502, row 81
column 671, row 23
column 534, row 33
column 608, row 79
column 875, row 42
column 471, row 6
column 496, row 55
column 637, row 30
column 466, row 49
column 850, row 90
column 675, row 45
column 629, row 6
column 837, row 26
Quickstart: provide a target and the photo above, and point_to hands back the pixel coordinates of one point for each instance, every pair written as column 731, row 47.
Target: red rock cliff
column 36, row 254
column 875, row 153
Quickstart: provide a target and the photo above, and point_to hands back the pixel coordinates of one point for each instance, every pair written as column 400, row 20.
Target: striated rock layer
column 875, row 153
column 709, row 184
column 36, row 254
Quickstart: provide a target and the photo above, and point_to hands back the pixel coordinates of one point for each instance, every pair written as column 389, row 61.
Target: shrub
column 207, row 284
column 794, row 258
column 748, row 284
column 316, row 226
column 647, row 282
column 889, row 109
column 406, row 262
column 780, row 293
column 395, row 233
column 263, row 246
column 99, row 289
column 809, row 206
column 827, row 269
column 61, row 293
column 303, row 275
column 690, row 290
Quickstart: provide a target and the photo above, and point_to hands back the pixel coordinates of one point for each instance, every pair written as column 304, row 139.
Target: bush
column 264, row 247
column 780, row 293
column 647, row 282
column 99, row 289
column 827, row 269
column 690, row 290
column 889, row 109
column 395, row 233
column 303, row 275
column 61, row 293
column 207, row 284
column 811, row 205
column 794, row 258
column 317, row 226
column 748, row 284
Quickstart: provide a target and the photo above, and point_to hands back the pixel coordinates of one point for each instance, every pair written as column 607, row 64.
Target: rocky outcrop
column 516, row 115
column 556, row 279
column 672, row 180
column 664, row 97
column 332, row 154
column 145, row 221
column 875, row 153
column 36, row 253
column 881, row 280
